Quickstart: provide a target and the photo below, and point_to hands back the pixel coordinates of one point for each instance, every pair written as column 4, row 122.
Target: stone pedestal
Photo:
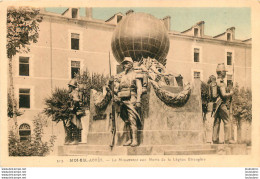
column 165, row 131
column 204, row 149
column 166, row 125
column 85, row 124
column 162, row 124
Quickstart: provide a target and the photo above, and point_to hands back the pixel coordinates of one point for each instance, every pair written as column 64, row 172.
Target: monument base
column 206, row 149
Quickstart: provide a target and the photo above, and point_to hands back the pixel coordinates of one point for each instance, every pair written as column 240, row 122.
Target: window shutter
column 74, row 36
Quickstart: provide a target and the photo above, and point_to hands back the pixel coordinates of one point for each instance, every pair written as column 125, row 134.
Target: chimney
column 201, row 27
column 167, row 22
column 88, row 12
column 129, row 12
column 231, row 31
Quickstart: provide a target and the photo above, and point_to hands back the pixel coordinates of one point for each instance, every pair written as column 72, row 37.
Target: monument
column 163, row 114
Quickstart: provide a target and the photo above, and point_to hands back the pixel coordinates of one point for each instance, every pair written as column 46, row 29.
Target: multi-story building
column 69, row 43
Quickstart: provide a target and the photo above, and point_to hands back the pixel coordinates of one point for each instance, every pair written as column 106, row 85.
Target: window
column 74, row 41
column 74, row 13
column 24, row 132
column 196, row 32
column 75, row 68
column 196, row 74
column 229, row 58
column 229, row 80
column 24, row 66
column 24, row 98
column 119, row 18
column 228, row 36
column 196, row 55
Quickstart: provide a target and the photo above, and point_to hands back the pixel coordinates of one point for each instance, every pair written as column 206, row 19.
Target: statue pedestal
column 166, row 125
column 165, row 131
column 162, row 124
column 205, row 149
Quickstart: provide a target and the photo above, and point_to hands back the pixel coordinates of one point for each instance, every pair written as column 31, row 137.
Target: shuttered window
column 74, row 13
column 196, row 32
column 229, row 80
column 24, row 67
column 229, row 58
column 196, row 75
column 75, row 41
column 25, row 132
column 24, row 98
column 228, row 36
column 196, row 55
column 75, row 68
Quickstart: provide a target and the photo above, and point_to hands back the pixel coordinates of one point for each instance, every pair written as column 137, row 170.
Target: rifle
column 231, row 104
column 216, row 105
column 112, row 114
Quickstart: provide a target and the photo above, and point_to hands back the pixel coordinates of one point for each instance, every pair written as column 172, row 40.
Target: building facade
column 69, row 44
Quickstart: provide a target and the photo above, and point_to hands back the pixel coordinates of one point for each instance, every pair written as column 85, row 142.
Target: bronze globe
column 140, row 35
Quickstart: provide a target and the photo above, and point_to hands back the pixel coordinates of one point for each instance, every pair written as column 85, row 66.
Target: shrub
column 242, row 104
column 57, row 105
column 35, row 146
column 94, row 81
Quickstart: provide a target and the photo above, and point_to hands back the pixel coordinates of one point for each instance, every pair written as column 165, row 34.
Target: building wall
column 50, row 60
column 180, row 58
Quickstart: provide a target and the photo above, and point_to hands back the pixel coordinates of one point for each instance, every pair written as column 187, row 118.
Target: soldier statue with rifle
column 220, row 106
column 73, row 124
column 127, row 91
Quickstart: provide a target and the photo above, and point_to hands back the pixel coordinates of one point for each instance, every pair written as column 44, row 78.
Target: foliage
column 10, row 110
column 242, row 104
column 35, row 146
column 22, row 29
column 58, row 104
column 94, row 81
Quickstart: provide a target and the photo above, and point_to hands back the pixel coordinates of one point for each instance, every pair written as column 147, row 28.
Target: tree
column 11, row 111
column 22, row 29
column 242, row 111
column 242, row 104
column 57, row 105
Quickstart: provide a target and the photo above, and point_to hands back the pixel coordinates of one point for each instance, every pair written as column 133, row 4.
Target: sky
column 217, row 20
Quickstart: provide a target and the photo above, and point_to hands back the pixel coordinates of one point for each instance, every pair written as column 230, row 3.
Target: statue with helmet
column 127, row 94
column 74, row 125
column 220, row 105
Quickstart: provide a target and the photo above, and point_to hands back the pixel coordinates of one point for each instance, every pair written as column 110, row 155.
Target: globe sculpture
column 140, row 35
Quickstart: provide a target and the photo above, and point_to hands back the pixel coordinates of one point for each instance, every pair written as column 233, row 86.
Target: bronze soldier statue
column 128, row 91
column 220, row 108
column 74, row 125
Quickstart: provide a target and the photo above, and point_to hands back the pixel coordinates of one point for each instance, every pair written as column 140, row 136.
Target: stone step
column 89, row 147
column 84, row 149
column 166, row 147
column 89, row 152
column 191, row 152
column 206, row 149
